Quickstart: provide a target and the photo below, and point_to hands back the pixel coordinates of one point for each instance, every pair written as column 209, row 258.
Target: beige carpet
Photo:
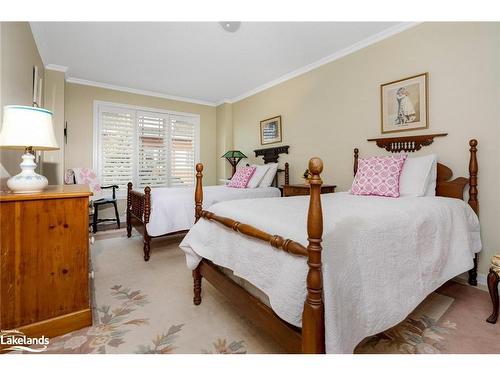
column 146, row 307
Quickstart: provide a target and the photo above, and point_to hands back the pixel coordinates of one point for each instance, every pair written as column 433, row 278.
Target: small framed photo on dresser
column 404, row 104
column 270, row 130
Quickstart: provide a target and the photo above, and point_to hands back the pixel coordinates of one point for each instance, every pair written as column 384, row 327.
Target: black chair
column 103, row 202
column 97, row 203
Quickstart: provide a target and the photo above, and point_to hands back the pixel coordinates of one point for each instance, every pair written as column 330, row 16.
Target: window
column 148, row 147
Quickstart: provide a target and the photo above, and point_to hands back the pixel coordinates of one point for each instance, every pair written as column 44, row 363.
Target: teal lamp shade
column 233, row 157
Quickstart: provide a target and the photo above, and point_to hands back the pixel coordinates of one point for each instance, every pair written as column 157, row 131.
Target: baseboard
column 481, row 280
column 60, row 325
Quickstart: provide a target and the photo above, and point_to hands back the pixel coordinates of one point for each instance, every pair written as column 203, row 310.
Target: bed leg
column 197, row 285
column 473, row 273
column 493, row 280
column 129, row 204
column 129, row 226
column 147, row 246
column 147, row 212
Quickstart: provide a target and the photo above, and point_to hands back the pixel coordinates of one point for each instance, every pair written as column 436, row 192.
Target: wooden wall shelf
column 271, row 154
column 410, row 143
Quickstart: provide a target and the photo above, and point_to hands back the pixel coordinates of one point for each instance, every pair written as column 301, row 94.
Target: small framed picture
column 270, row 130
column 404, row 104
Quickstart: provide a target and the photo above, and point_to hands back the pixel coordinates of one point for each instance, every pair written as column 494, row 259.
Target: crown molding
column 102, row 85
column 325, row 60
column 57, row 68
column 223, row 101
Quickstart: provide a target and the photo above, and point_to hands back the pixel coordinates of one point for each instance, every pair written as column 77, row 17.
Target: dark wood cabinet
column 44, row 269
column 305, row 189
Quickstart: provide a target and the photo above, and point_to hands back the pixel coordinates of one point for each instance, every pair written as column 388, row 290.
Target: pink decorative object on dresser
column 378, row 175
column 242, row 177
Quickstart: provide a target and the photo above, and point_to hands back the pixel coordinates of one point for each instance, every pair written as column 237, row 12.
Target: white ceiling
column 199, row 60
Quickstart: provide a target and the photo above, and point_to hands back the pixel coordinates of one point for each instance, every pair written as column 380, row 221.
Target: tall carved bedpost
column 129, row 207
column 198, row 192
column 147, row 212
column 287, row 174
column 356, row 156
column 313, row 316
column 473, row 169
column 473, row 202
column 198, row 207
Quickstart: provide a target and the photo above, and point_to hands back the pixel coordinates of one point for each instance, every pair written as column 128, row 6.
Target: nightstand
column 304, row 189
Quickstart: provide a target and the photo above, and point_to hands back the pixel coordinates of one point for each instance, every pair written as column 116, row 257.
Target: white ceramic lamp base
column 27, row 181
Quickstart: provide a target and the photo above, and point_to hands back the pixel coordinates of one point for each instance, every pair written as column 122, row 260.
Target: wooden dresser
column 44, row 262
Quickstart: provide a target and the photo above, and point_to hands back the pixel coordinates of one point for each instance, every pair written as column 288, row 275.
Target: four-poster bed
column 310, row 338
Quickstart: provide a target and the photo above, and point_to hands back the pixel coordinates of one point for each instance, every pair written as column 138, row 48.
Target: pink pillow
column 87, row 176
column 378, row 175
column 241, row 177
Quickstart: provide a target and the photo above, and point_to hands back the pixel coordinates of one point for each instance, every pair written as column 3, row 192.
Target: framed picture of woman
column 404, row 104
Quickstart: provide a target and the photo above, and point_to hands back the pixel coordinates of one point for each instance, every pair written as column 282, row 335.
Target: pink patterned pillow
column 87, row 176
column 378, row 175
column 241, row 177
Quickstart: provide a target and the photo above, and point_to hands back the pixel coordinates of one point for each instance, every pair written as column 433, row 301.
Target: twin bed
column 361, row 267
column 162, row 212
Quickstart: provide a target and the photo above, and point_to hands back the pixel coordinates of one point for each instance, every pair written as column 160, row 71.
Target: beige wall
column 18, row 56
column 53, row 161
column 332, row 109
column 224, row 139
column 79, row 102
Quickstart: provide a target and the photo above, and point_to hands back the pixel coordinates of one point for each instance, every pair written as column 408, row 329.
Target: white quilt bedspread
column 172, row 209
column 381, row 256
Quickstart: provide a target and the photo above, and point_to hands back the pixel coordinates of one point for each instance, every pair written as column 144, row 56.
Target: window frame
column 100, row 106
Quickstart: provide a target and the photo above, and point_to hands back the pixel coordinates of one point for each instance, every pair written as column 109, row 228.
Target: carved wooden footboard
column 138, row 213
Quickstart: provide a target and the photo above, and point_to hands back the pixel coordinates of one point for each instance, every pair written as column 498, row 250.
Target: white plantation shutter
column 148, row 148
column 183, row 151
column 117, row 147
column 152, row 168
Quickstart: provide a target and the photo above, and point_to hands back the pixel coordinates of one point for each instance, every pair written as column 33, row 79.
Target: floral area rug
column 146, row 307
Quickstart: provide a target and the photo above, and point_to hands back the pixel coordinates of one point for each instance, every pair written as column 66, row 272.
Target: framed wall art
column 404, row 104
column 270, row 130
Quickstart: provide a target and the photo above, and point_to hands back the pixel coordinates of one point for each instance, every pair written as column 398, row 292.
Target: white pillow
column 416, row 175
column 269, row 176
column 258, row 175
column 431, row 187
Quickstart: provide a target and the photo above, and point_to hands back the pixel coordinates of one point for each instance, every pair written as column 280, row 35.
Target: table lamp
column 27, row 128
column 233, row 157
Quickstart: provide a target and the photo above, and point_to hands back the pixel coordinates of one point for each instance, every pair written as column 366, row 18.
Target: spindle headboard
column 271, row 155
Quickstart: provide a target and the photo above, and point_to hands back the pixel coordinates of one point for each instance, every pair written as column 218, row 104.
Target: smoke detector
column 230, row 26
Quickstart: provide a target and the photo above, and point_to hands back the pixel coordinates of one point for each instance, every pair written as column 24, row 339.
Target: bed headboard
column 271, row 155
column 445, row 187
